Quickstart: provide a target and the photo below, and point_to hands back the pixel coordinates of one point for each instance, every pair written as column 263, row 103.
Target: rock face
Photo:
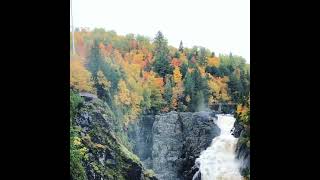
column 242, row 149
column 141, row 135
column 199, row 130
column 107, row 158
column 167, row 145
column 238, row 128
column 175, row 142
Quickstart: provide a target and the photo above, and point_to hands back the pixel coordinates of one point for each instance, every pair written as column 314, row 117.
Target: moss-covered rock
column 107, row 157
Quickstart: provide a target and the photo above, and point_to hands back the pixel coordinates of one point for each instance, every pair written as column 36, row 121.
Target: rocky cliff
column 106, row 157
column 141, row 135
column 169, row 143
column 242, row 147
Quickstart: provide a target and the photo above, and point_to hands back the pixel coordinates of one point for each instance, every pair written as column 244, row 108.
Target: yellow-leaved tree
column 138, row 58
column 213, row 62
column 80, row 77
column 177, row 90
column 123, row 95
column 177, row 76
column 135, row 107
column 102, row 80
column 219, row 89
column 129, row 101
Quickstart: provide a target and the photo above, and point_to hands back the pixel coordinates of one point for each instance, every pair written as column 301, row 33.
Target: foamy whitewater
column 218, row 161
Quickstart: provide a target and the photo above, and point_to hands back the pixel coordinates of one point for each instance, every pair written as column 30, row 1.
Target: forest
column 136, row 75
column 141, row 75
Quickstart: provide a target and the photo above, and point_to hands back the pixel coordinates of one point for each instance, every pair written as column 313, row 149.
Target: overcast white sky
column 222, row 26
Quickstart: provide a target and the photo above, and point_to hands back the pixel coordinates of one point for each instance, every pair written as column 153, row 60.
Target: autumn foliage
column 140, row 75
column 80, row 77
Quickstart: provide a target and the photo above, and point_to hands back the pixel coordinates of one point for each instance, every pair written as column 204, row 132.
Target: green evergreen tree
column 181, row 47
column 161, row 56
column 157, row 101
column 96, row 63
column 183, row 70
column 201, row 90
column 177, row 54
column 235, row 88
column 94, row 58
column 203, row 56
column 188, row 84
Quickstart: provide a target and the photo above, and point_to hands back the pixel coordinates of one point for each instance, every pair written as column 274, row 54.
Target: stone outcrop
column 169, row 143
column 242, row 147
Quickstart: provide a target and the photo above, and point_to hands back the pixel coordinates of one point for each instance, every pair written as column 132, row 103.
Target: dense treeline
column 134, row 74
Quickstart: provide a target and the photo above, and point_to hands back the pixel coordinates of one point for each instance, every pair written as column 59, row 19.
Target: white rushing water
column 218, row 161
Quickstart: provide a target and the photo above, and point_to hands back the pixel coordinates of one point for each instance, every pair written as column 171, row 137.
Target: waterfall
column 218, row 161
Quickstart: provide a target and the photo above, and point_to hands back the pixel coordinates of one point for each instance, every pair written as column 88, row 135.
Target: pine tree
column 203, row 56
column 181, row 47
column 177, row 55
column 94, row 58
column 161, row 56
column 97, row 62
column 235, row 88
column 184, row 69
column 188, row 84
column 196, row 76
column 168, row 90
column 157, row 101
